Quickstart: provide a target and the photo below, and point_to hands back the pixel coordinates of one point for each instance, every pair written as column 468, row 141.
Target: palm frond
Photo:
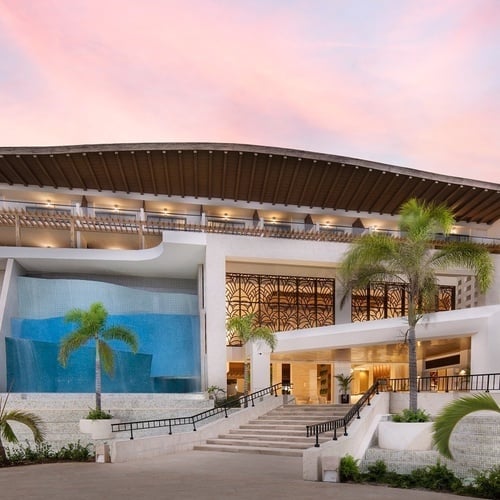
column 71, row 343
column 8, row 433
column 451, row 414
column 245, row 329
column 30, row 420
column 123, row 334
column 107, row 357
column 469, row 255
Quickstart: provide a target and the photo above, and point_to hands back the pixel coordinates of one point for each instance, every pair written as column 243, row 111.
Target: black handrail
column 317, row 429
column 193, row 419
column 482, row 382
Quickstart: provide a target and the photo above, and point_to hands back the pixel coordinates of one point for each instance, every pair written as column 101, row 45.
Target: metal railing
column 243, row 401
column 482, row 382
column 154, row 223
column 338, row 423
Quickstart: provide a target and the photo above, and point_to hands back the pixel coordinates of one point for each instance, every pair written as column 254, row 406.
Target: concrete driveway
column 189, row 475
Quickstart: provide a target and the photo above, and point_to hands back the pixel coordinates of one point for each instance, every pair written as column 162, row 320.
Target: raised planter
column 98, row 429
column 405, row 436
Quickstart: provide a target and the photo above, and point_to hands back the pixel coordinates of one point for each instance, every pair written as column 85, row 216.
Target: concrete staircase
column 280, row 432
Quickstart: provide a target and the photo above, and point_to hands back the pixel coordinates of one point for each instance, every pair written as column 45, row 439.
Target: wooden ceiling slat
column 491, row 215
column 60, row 170
column 45, row 171
column 388, row 194
column 473, row 201
column 278, row 182
column 106, row 171
column 210, row 166
column 238, row 177
column 137, row 173
column 91, row 170
column 181, row 172
column 252, row 177
column 8, row 180
column 30, row 170
column 345, row 190
column 76, row 172
column 266, row 177
column 480, row 207
column 224, row 175
column 196, row 179
column 320, row 184
column 306, row 184
column 359, row 190
column 166, row 174
column 152, row 172
column 122, row 171
column 333, row 185
column 291, row 187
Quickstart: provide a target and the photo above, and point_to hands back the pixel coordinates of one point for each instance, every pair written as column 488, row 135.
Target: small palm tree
column 452, row 413
column 30, row 420
column 92, row 326
column 245, row 328
column 413, row 261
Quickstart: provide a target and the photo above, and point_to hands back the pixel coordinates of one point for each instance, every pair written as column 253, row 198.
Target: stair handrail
column 466, row 382
column 321, row 427
column 242, row 401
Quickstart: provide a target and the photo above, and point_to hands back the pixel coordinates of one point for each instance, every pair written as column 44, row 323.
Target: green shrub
column 376, row 472
column 487, row 484
column 408, row 415
column 437, row 478
column 95, row 414
column 349, row 469
column 43, row 452
column 76, row 452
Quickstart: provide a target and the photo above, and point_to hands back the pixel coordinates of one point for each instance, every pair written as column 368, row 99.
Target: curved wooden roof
column 247, row 173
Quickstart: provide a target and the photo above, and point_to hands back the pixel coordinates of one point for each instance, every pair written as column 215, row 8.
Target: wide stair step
column 282, row 431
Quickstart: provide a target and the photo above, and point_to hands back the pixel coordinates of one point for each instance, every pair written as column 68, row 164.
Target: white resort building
column 175, row 238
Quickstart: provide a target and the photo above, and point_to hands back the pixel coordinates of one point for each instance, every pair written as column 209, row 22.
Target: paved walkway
column 190, row 475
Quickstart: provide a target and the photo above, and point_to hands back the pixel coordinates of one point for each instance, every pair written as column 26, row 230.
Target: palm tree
column 449, row 417
column 32, row 421
column 413, row 261
column 245, row 328
column 92, row 326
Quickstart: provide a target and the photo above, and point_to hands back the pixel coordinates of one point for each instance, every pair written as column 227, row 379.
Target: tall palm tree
column 245, row 328
column 413, row 261
column 449, row 417
column 30, row 420
column 92, row 326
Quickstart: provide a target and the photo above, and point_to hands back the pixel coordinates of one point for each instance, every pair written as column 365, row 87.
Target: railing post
column 131, row 433
column 170, row 426
column 194, row 425
column 335, row 433
column 316, row 444
column 488, row 383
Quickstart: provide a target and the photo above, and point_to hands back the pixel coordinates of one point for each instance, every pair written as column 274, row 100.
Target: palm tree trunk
column 98, row 384
column 412, row 345
column 412, row 366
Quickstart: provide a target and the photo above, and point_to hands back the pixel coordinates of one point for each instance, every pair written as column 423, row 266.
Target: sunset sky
column 414, row 83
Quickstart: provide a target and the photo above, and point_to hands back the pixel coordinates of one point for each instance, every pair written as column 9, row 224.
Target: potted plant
column 92, row 326
column 344, row 383
column 213, row 390
column 408, row 430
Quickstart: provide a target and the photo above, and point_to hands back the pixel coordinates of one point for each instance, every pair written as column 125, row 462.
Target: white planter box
column 98, row 429
column 405, row 436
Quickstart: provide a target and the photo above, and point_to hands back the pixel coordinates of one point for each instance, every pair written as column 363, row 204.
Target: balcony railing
column 154, row 223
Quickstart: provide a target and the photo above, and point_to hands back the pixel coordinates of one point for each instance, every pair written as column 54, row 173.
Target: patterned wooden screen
column 390, row 300
column 282, row 303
